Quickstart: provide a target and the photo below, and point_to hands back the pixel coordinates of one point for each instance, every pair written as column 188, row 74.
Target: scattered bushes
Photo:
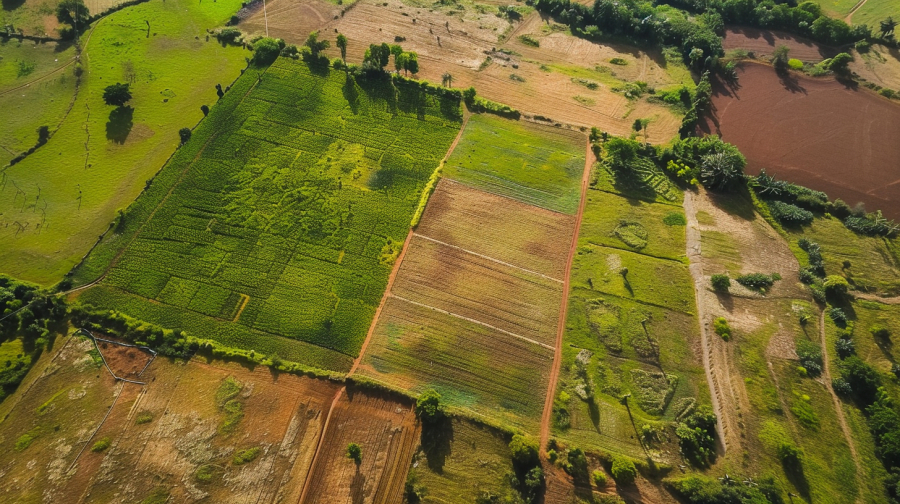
column 722, row 328
column 707, row 490
column 720, row 282
column 810, row 356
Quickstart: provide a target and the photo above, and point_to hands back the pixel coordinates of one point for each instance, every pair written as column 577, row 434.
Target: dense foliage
column 697, row 436
column 708, row 490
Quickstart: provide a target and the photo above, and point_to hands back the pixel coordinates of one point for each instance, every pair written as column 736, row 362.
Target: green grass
column 875, row 11
column 246, row 456
column 84, row 176
column 289, row 193
column 535, row 164
column 101, row 445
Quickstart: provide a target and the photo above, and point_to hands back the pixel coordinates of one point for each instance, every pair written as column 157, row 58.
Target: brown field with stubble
column 461, row 42
column 498, row 227
column 764, row 42
column 180, row 432
column 818, row 133
column 386, row 429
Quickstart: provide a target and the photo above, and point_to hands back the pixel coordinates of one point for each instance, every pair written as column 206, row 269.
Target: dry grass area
column 386, row 430
column 880, row 65
column 460, row 41
column 478, row 288
column 498, row 227
column 169, row 438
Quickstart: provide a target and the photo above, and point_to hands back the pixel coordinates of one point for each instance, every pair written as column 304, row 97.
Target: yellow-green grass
column 605, row 213
column 43, row 103
column 535, row 164
column 85, row 177
column 873, row 12
column 282, row 215
column 29, row 16
column 837, row 8
column 23, row 61
column 873, row 261
column 476, row 461
column 881, row 352
column 482, row 371
column 651, row 185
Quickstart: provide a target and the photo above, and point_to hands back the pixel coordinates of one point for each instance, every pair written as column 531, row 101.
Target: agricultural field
column 387, row 433
column 101, row 157
column 213, row 249
column 868, row 12
column 490, row 157
column 818, row 128
column 762, row 43
column 195, row 430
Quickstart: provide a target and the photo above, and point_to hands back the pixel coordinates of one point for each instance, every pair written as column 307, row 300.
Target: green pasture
column 870, row 13
column 23, row 61
column 649, row 184
column 292, row 193
column 535, row 164
column 869, row 263
column 55, row 203
column 635, row 225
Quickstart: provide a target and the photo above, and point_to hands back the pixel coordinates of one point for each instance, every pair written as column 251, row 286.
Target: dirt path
column 838, row 410
column 561, row 325
column 877, row 299
column 855, row 8
column 696, row 268
column 312, row 465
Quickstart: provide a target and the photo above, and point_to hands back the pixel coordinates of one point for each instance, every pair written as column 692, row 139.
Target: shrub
column 757, row 281
column 789, row 214
column 722, row 168
column 185, row 135
column 228, row 35
column 618, row 61
column 623, row 470
column 578, row 465
column 428, row 407
column 245, row 456
column 722, row 328
column 205, row 473
column 841, row 387
column 879, row 331
column 675, row 219
column 810, row 356
column 529, row 40
column 795, row 64
column 844, row 347
column 143, row 417
column 720, row 282
column 599, row 478
column 863, row 379
column 696, row 435
column 101, row 445
column 836, row 285
column 354, row 453
column 790, row 454
column 266, row 50
column 524, row 451
column 838, row 316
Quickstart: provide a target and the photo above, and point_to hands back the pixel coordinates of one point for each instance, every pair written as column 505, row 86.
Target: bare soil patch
column 291, row 20
column 125, row 361
column 385, row 428
column 815, row 132
column 510, row 231
column 764, row 42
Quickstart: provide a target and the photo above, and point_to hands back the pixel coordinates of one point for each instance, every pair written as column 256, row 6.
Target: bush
column 524, row 452
column 266, row 50
column 810, row 356
column 696, row 435
column 789, row 214
column 529, row 40
column 863, row 379
column 795, row 64
column 101, row 445
column 354, row 453
column 720, row 282
column 836, row 285
column 185, row 135
column 228, row 36
column 722, row 328
column 838, row 316
column 144, row 417
column 722, row 169
column 599, row 478
column 578, row 465
column 880, row 332
column 756, row 281
column 428, row 407
column 845, row 348
column 790, row 454
column 841, row 387
column 623, row 470
column 245, row 456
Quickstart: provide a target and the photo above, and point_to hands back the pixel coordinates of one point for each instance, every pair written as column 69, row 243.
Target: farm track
column 696, row 269
column 561, row 325
column 838, row 409
column 849, row 18
column 337, row 397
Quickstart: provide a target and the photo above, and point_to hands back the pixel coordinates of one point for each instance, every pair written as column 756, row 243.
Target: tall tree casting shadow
column 120, row 123
column 437, row 437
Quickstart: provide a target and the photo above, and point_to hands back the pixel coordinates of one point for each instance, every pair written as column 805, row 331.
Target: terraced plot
column 534, row 164
column 277, row 225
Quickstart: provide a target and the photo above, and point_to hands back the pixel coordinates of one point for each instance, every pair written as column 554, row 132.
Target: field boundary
column 489, row 258
column 564, row 306
column 312, row 464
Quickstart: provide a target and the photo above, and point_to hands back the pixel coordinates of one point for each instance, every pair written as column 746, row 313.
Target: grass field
column 102, row 156
column 871, row 13
column 282, row 216
column 535, row 164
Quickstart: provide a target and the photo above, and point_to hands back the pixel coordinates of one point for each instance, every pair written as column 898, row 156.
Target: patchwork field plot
column 387, row 433
column 66, row 193
column 478, row 329
column 498, row 227
column 534, row 164
column 474, row 367
column 194, row 431
column 285, row 222
column 814, row 132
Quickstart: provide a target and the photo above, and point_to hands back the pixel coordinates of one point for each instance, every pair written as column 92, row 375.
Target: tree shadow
column 11, row 5
column 436, row 441
column 790, row 82
column 351, row 94
column 594, row 411
column 120, row 123
column 725, row 300
column 358, row 487
column 795, row 474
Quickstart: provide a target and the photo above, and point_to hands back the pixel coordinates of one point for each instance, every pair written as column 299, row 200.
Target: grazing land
column 212, row 248
column 810, row 130
column 180, row 436
column 66, row 193
column 539, row 165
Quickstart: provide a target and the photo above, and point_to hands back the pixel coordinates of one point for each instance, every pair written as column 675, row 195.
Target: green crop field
column 535, row 164
column 283, row 214
column 65, row 194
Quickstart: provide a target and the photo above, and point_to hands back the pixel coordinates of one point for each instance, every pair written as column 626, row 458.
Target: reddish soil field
column 126, row 362
column 385, row 428
column 764, row 42
column 815, row 132
column 510, row 231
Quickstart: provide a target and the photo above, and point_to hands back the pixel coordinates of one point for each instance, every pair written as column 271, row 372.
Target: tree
column 377, row 57
column 266, row 50
column 623, row 470
column 205, row 110
column 447, row 79
column 722, row 168
column 836, row 285
column 400, row 61
column 73, row 13
column 887, row 28
column 524, row 452
column 342, row 45
column 412, row 63
column 43, row 134
column 315, row 45
column 781, row 57
column 428, row 407
column 354, row 453
column 117, row 94
column 839, row 63
column 185, row 134
column 720, row 282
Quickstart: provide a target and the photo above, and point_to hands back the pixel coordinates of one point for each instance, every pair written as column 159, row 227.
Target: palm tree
column 342, row 45
column 887, row 27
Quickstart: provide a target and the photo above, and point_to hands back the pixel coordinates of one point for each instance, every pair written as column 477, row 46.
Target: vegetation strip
column 467, row 319
column 498, row 261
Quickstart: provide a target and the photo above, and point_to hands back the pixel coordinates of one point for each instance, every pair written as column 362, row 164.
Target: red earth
column 816, row 132
column 763, row 43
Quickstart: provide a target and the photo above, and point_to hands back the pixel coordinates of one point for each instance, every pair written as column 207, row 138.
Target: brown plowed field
column 282, row 416
column 814, row 132
column 387, row 432
column 499, row 227
column 471, row 286
column 126, row 362
column 764, row 42
column 291, row 19
column 475, row 368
